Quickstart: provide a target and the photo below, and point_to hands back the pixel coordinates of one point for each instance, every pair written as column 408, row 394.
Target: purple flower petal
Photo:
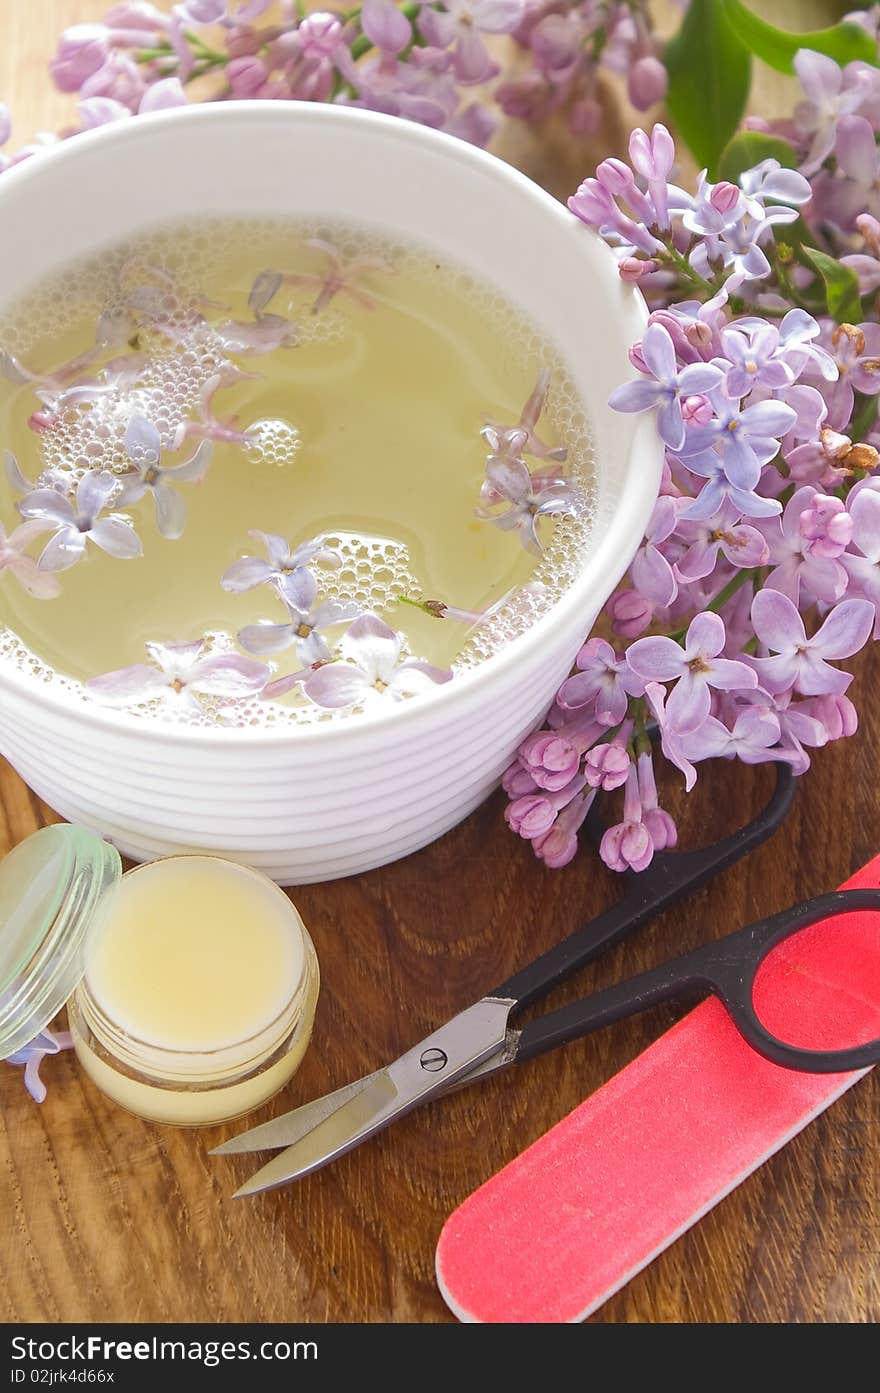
column 266, row 638
column 50, row 505
column 416, row 676
column 336, row 685
column 117, row 538
column 658, row 351
column 689, row 702
column 142, row 442
column 63, row 551
column 126, row 684
column 246, row 573
column 229, row 675
column 776, row 621
column 371, row 644
column 170, row 511
column 845, row 630
column 656, row 659
column 193, row 470
column 94, row 491
column 706, row 634
column 639, row 395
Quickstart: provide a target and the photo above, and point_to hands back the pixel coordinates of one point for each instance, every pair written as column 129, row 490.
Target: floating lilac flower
column 14, row 559
column 802, row 663
column 144, row 448
column 31, row 1057
column 752, row 738
column 725, row 534
column 74, row 523
column 694, row 666
column 371, row 668
column 671, row 384
column 603, row 681
column 340, row 276
column 185, row 671
column 530, row 497
column 510, row 442
column 302, row 630
column 267, row 333
column 282, row 568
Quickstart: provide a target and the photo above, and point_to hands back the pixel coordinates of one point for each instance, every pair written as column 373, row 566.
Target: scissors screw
column 434, row 1060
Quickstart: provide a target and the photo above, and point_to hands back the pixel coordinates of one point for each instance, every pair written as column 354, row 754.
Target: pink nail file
column 586, row 1207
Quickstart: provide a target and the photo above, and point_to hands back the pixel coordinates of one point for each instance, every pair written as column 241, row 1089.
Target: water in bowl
column 264, row 472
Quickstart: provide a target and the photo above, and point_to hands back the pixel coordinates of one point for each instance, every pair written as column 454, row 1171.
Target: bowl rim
column 645, row 443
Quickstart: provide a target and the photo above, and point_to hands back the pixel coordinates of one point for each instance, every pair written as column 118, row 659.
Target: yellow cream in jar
column 199, row 992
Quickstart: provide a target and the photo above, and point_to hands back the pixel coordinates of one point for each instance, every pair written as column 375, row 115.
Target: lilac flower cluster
column 427, row 62
column 760, row 569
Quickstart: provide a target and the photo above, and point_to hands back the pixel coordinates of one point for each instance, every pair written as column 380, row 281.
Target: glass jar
column 191, row 982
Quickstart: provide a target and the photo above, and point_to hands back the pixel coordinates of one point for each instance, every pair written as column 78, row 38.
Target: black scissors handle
column 727, row 969
column 670, row 876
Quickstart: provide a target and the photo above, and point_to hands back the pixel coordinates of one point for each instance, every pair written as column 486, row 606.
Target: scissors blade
column 429, row 1068
column 286, row 1129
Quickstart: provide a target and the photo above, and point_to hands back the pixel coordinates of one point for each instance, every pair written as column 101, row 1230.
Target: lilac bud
column 163, row 95
column 632, row 269
column 616, row 177
column 319, row 35
column 646, row 83
column 517, row 781
column 636, row 358
column 100, row 111
column 551, row 760
column 82, row 50
column 246, row 76
column 697, row 410
column 530, row 816
column 631, row 613
column 661, row 828
column 724, row 197
column 836, row 713
column 585, row 117
column 826, row 526
column 555, row 42
column 607, row 766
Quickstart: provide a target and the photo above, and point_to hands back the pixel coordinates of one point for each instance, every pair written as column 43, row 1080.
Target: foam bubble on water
column 162, row 275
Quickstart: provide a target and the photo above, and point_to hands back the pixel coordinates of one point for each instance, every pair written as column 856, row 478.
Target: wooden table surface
column 105, row 1217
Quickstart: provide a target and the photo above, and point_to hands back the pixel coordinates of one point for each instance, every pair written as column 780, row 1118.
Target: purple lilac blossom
column 75, row 521
column 370, row 667
column 184, row 672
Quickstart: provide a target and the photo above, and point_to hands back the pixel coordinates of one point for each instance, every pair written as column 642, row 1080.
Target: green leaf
column 841, row 286
column 843, row 42
column 749, row 148
column 709, row 71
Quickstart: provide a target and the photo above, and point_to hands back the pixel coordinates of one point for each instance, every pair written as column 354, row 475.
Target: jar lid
column 53, row 887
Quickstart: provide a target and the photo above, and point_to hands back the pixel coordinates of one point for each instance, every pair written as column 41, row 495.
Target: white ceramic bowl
column 318, row 802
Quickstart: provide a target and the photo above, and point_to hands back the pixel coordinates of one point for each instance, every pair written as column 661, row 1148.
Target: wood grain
column 107, row 1217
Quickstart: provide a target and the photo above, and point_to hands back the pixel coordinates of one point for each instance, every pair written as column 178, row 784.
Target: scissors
column 480, row 1040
